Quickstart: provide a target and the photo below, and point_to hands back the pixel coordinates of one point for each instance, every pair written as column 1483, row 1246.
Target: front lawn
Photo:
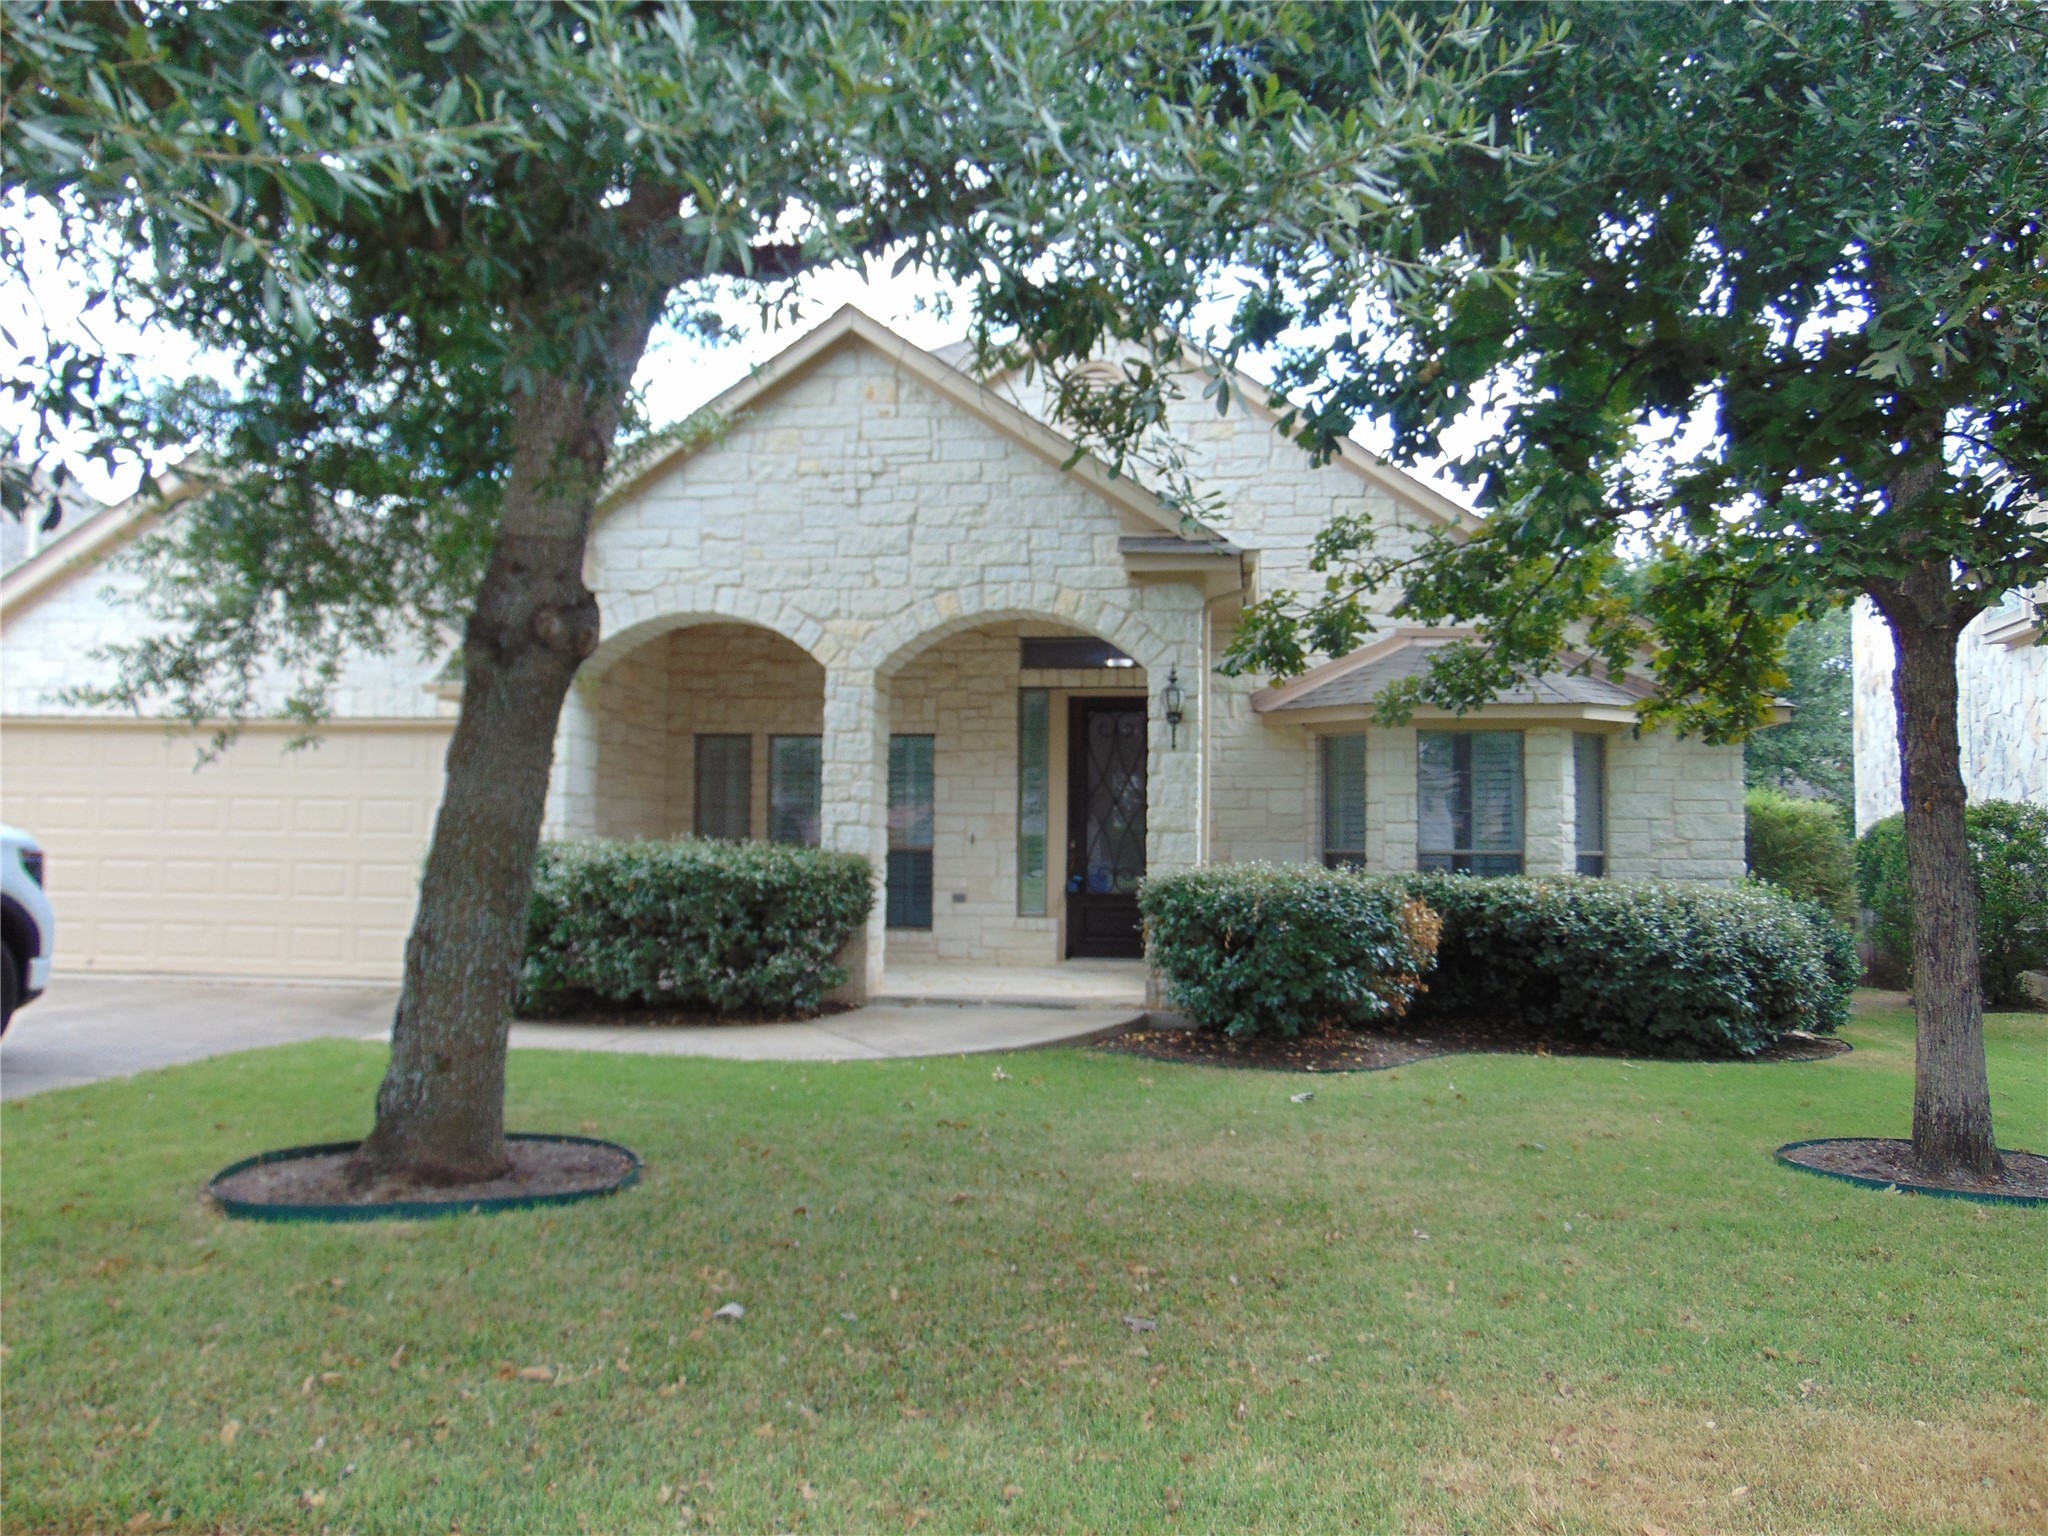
column 1482, row 1293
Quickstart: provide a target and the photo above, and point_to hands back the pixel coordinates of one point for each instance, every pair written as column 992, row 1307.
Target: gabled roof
column 849, row 328
column 89, row 542
column 1351, row 454
column 1349, row 687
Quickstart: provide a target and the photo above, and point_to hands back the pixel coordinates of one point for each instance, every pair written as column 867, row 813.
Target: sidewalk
column 90, row 1028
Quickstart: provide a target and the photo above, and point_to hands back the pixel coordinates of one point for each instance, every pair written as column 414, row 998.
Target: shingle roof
column 1363, row 685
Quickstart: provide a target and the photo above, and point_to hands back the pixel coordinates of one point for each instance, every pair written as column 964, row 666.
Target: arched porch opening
column 996, row 859
column 708, row 729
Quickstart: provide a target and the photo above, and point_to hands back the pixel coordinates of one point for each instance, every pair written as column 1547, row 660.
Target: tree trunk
column 1951, row 1089
column 441, row 1109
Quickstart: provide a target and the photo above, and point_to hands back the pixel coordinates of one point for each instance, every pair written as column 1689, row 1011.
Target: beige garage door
column 266, row 862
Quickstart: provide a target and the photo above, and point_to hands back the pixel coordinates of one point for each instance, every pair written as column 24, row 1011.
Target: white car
column 28, row 926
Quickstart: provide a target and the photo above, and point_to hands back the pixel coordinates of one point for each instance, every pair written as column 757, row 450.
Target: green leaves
column 406, row 224
column 1814, row 233
column 747, row 929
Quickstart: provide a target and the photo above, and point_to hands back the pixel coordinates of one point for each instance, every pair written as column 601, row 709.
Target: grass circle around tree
column 310, row 1183
column 1884, row 1162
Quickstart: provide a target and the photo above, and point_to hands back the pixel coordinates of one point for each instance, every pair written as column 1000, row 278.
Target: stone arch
column 666, row 690
column 931, row 620
column 632, row 620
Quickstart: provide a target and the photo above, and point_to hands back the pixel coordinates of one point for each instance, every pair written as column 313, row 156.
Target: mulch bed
column 1361, row 1050
column 538, row 1168
column 1891, row 1161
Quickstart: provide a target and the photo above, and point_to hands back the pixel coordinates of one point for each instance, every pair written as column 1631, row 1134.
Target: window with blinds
column 1589, row 792
column 1034, row 787
column 1343, row 775
column 796, row 789
column 908, row 899
column 725, row 782
column 1469, row 789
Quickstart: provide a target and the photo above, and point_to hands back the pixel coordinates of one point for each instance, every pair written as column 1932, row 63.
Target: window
column 909, row 896
column 1589, row 798
column 1469, row 785
column 1034, row 778
column 796, row 788
column 1070, row 653
column 1344, row 802
column 725, row 782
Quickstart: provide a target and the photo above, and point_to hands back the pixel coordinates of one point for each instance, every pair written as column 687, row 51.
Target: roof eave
column 1609, row 716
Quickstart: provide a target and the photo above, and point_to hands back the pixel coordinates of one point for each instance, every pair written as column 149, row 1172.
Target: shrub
column 1256, row 949
column 1671, row 970
column 2009, row 853
column 1802, row 846
column 746, row 929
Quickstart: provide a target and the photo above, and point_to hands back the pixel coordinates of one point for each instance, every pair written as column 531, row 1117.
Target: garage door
column 266, row 862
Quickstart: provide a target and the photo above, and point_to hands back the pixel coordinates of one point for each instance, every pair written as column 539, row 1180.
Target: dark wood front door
column 1105, row 827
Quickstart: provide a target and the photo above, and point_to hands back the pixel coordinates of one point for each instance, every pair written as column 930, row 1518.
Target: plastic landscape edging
column 408, row 1210
column 1866, row 1182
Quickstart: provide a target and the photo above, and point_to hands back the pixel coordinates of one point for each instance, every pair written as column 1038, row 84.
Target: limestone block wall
column 634, row 747
column 2003, row 706
column 49, row 645
column 866, row 518
column 711, row 679
column 1674, row 808
column 1270, row 497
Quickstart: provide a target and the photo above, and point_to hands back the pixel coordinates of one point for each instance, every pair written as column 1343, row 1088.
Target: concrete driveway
column 86, row 1029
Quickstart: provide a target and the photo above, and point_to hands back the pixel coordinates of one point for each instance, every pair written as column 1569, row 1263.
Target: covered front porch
column 1002, row 778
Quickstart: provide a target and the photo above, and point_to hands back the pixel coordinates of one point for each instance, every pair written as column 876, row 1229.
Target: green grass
column 1621, row 1314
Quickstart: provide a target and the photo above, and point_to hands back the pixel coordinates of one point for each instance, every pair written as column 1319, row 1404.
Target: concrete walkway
column 86, row 1029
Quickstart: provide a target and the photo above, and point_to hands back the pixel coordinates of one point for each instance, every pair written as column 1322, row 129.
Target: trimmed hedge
column 1673, row 970
column 744, row 929
column 2009, row 851
column 1803, row 846
column 1260, row 949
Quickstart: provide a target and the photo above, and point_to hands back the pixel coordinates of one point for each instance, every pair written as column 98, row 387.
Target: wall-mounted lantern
column 1171, row 701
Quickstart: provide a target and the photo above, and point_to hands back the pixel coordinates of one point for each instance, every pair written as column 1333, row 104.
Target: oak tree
column 1815, row 234
column 434, row 240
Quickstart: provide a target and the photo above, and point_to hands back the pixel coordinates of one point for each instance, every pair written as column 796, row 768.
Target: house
column 2002, row 707
column 875, row 611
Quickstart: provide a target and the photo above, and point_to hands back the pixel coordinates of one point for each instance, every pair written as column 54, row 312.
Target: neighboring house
column 2002, row 678
column 873, row 612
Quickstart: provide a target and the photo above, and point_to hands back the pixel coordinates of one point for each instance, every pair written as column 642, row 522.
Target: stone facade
column 2002, row 678
column 860, row 551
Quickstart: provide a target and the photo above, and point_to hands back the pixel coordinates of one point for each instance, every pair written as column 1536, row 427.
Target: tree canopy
column 1815, row 751
column 1817, row 232
column 1777, row 339
column 436, row 238
column 394, row 219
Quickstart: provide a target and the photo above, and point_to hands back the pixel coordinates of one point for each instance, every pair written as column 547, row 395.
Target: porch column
column 572, row 783
column 856, row 806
